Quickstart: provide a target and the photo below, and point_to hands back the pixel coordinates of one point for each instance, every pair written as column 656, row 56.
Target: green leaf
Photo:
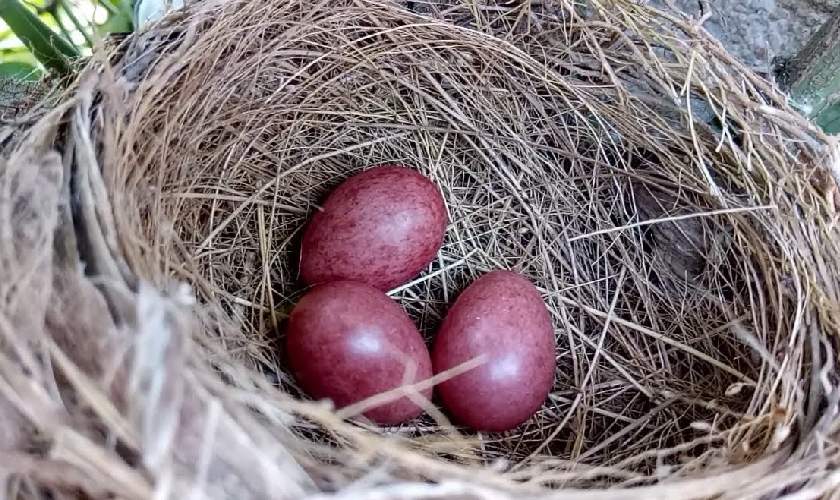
column 18, row 55
column 51, row 49
column 125, row 7
column 19, row 71
column 81, row 28
column 116, row 23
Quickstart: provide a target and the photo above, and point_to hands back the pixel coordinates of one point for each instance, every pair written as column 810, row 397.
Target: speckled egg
column 502, row 317
column 380, row 227
column 347, row 341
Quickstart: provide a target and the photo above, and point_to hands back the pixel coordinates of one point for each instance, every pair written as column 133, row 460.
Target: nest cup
column 674, row 212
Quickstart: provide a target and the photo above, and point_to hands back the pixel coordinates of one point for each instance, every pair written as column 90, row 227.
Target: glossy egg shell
column 347, row 341
column 380, row 227
column 501, row 316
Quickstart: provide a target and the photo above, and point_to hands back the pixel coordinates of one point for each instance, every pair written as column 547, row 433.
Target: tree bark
column 813, row 76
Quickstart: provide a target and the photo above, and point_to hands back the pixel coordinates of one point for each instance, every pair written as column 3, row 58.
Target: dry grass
column 689, row 267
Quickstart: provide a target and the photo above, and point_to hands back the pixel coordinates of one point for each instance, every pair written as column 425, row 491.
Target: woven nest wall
column 676, row 215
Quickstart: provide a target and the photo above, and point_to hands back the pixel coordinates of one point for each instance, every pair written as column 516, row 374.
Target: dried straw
column 677, row 216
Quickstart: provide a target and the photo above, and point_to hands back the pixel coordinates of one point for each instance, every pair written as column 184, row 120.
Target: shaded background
column 82, row 22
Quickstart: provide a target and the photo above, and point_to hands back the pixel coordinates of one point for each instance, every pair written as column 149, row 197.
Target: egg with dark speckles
column 502, row 319
column 379, row 227
column 347, row 341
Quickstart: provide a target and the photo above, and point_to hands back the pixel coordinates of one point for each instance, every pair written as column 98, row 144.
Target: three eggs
column 347, row 341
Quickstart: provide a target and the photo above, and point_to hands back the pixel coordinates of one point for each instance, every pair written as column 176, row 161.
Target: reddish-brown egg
column 502, row 317
column 380, row 227
column 347, row 341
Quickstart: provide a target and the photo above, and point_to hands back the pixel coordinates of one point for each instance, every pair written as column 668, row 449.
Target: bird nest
column 677, row 216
